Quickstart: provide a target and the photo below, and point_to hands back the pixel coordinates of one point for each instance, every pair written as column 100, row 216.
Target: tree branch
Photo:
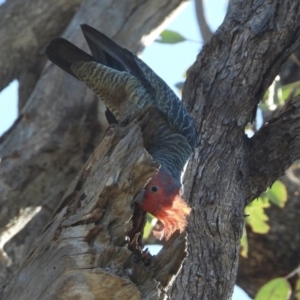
column 205, row 31
column 25, row 30
column 290, row 70
column 276, row 144
column 28, row 80
column 89, row 234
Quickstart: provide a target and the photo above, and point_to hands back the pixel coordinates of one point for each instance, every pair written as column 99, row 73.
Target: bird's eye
column 154, row 189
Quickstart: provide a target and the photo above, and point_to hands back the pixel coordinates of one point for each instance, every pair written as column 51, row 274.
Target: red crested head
column 162, row 200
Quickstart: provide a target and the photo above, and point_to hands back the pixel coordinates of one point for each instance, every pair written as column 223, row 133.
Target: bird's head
column 162, row 199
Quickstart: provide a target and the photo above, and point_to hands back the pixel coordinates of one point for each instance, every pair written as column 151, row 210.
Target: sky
column 168, row 61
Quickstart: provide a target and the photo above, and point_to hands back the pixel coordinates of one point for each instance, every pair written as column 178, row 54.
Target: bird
column 126, row 84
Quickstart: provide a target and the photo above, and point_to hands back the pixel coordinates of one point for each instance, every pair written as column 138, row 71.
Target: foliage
column 255, row 214
column 244, row 243
column 280, row 289
column 151, row 221
column 276, row 289
column 170, row 37
column 256, row 218
column 297, row 288
column 277, row 194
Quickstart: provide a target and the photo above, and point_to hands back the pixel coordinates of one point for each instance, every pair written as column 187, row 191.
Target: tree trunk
column 52, row 138
column 83, row 252
column 222, row 90
column 275, row 254
column 23, row 39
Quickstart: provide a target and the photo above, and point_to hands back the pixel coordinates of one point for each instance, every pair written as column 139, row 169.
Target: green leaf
column 170, row 37
column 297, row 294
column 290, row 88
column 148, row 227
column 277, row 193
column 257, row 217
column 244, row 243
column 276, row 289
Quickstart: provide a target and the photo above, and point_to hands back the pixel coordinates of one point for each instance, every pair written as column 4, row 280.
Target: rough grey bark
column 276, row 253
column 27, row 81
column 290, row 70
column 276, row 144
column 223, row 89
column 205, row 31
column 88, row 255
column 59, row 127
column 25, row 29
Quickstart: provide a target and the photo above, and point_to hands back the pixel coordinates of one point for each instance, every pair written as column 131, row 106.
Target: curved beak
column 140, row 197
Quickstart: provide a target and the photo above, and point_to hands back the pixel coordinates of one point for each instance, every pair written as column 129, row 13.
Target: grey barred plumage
column 162, row 95
column 170, row 149
column 127, row 94
column 125, row 83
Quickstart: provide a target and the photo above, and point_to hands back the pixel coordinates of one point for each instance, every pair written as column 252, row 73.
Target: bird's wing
column 112, row 55
column 107, row 52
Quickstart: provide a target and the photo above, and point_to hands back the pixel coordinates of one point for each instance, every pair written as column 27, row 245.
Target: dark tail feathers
column 63, row 54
